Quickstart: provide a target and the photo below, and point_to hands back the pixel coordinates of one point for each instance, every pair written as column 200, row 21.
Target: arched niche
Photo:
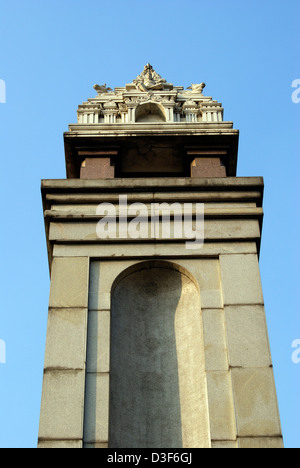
column 150, row 112
column 157, row 381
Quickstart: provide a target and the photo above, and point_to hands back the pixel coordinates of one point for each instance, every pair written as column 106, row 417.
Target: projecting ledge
column 226, row 183
column 147, row 128
column 208, row 213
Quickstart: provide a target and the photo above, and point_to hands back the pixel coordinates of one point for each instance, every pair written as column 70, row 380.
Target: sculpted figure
column 149, row 80
column 197, row 88
column 102, row 89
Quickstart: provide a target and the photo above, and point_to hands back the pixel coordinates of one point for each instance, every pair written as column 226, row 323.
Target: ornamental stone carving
column 122, row 105
column 150, row 80
column 102, row 89
column 197, row 88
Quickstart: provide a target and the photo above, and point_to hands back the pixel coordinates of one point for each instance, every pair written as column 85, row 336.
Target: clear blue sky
column 52, row 53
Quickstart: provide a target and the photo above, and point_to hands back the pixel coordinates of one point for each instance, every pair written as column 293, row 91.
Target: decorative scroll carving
column 150, row 97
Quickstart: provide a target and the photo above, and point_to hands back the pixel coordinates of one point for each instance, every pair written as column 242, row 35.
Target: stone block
column 97, row 168
column 62, row 405
column 215, row 339
column 102, row 276
column 208, row 167
column 66, row 339
column 110, row 271
column 60, row 444
column 221, row 408
column 255, row 402
column 214, row 229
column 137, row 250
column 260, row 443
column 240, row 278
column 98, row 345
column 94, row 283
column 207, row 274
column 96, row 408
column 74, row 209
column 69, row 282
column 211, row 299
column 154, row 183
column 223, row 444
column 247, row 336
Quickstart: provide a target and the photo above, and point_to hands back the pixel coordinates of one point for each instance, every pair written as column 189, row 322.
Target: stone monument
column 157, row 334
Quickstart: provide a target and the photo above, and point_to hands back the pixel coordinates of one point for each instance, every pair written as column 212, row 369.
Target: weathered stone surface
column 215, row 339
column 66, row 339
column 96, row 408
column 207, row 274
column 97, row 168
column 240, row 278
column 229, row 183
column 144, row 251
column 255, row 402
column 154, row 368
column 62, row 405
column 223, row 444
column 260, row 443
column 207, row 167
column 213, row 230
column 247, row 336
column 102, row 276
column 60, row 444
column 98, row 344
column 69, row 283
column 221, row 406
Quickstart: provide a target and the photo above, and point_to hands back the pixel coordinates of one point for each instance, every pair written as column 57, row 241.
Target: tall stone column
column 152, row 342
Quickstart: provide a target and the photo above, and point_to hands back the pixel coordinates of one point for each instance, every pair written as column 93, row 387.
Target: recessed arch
column 157, row 359
column 154, row 264
column 150, row 112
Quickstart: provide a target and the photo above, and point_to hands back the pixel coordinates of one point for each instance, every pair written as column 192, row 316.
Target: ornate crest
column 149, row 80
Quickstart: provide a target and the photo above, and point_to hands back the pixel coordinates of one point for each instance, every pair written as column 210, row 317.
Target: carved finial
column 149, row 80
column 197, row 88
column 102, row 89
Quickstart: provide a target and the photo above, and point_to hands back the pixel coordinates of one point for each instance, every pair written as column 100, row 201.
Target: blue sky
column 51, row 55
